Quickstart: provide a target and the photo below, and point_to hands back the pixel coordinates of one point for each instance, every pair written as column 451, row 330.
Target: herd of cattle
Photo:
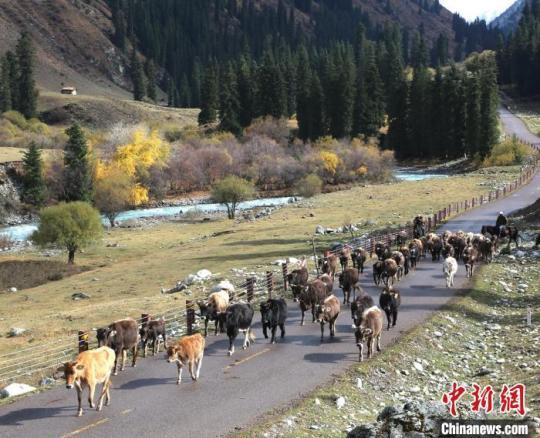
column 96, row 366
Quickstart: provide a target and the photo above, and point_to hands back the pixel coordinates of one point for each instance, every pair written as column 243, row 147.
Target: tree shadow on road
column 18, row 418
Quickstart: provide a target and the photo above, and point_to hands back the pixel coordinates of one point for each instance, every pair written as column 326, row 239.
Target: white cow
column 450, row 268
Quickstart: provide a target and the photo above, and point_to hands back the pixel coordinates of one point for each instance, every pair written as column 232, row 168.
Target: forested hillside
column 519, row 55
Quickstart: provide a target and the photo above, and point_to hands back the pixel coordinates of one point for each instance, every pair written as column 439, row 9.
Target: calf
column 358, row 306
column 214, row 310
column 450, row 268
column 88, row 369
column 369, row 330
column 238, row 318
column 407, row 254
column 470, row 255
column 417, row 243
column 187, row 350
column 486, row 249
column 273, row 314
column 311, row 297
column 327, row 312
column 390, row 271
column 389, row 301
column 359, row 257
column 121, row 336
column 348, row 281
column 298, row 280
column 378, row 270
column 152, row 331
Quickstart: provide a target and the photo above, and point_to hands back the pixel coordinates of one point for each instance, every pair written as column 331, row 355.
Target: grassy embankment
column 481, row 330
column 126, row 279
column 529, row 112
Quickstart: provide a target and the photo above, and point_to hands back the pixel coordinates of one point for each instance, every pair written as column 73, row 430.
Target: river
column 24, row 231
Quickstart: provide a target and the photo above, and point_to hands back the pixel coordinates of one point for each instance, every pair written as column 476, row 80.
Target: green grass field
column 126, row 279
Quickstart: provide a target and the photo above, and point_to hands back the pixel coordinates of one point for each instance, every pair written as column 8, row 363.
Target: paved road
column 515, row 126
column 233, row 392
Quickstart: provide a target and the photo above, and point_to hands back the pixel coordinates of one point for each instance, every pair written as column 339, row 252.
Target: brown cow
column 419, row 246
column 399, row 258
column 187, row 350
column 344, row 256
column 470, row 256
column 327, row 312
column 369, row 330
column 348, row 280
column 88, row 369
column 436, row 248
column 152, row 331
column 329, row 282
column 298, row 280
column 390, row 271
column 359, row 257
column 121, row 336
column 329, row 264
column 312, row 296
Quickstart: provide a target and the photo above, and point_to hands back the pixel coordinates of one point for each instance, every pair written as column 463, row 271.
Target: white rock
column 279, row 262
column 320, row 229
column 418, row 366
column 292, row 260
column 16, row 331
column 15, row 389
column 359, row 383
column 340, row 402
column 499, row 361
column 317, row 402
column 519, row 254
column 414, row 389
column 438, row 334
column 192, row 279
column 204, row 274
column 13, row 289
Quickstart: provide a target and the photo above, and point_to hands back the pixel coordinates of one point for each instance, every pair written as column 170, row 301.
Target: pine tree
column 246, row 92
column 77, row 174
column 184, row 94
column 151, row 89
column 137, row 77
column 398, row 130
column 418, row 114
column 229, row 103
column 5, row 88
column 119, row 22
column 317, row 117
column 33, row 182
column 13, row 67
column 303, row 98
column 489, row 101
column 209, row 97
column 272, row 99
column 472, row 139
column 27, row 98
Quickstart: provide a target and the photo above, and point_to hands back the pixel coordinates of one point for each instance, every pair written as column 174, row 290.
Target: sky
column 470, row 9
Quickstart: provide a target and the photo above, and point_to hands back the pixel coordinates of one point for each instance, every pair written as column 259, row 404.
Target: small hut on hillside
column 69, row 90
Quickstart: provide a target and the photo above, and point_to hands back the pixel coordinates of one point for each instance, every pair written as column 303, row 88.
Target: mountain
column 509, row 19
column 72, row 42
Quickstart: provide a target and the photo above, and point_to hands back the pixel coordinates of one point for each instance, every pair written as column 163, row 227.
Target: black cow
column 389, row 301
column 150, row 332
column 121, row 336
column 359, row 257
column 378, row 270
column 274, row 314
column 298, row 280
column 238, row 318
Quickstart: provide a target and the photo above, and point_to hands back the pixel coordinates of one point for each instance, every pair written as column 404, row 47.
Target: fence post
column 285, row 272
column 497, row 194
column 371, row 247
column 249, row 289
column 429, row 223
column 190, row 316
column 481, row 199
column 83, row 341
column 434, row 220
column 472, row 202
column 270, row 283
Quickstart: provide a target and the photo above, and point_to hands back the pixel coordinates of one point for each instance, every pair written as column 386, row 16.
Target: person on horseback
column 501, row 222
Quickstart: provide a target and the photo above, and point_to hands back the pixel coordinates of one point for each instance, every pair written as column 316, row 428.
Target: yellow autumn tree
column 144, row 150
column 330, row 161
